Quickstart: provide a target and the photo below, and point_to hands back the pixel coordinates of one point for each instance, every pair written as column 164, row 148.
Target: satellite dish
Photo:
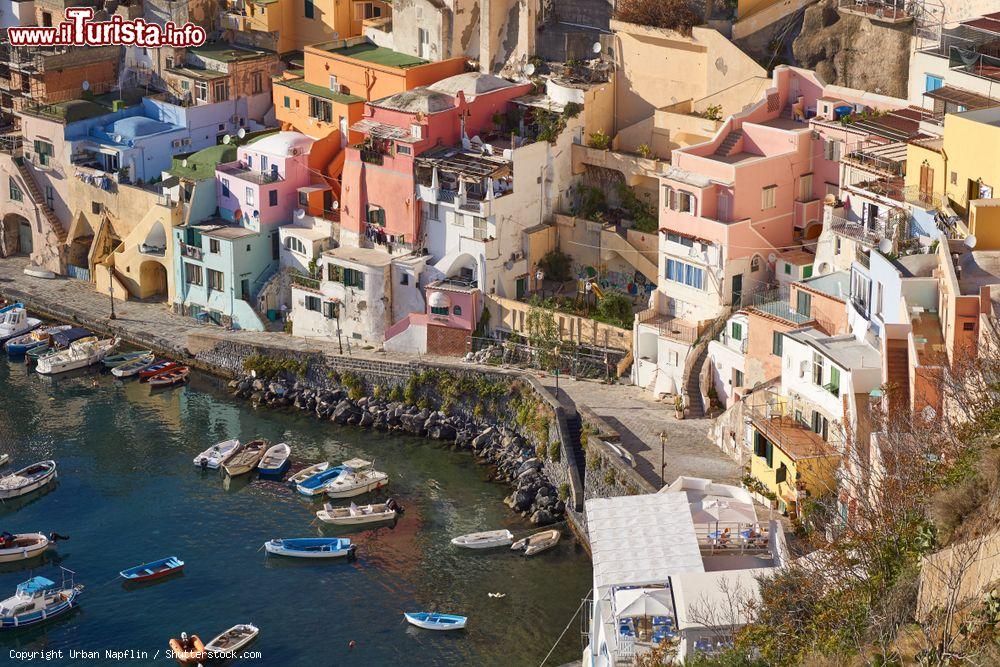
column 85, row 85
column 118, row 138
column 256, row 214
column 772, row 258
column 971, row 240
column 184, row 162
column 241, row 133
column 336, row 204
column 299, row 213
column 596, row 48
column 529, row 69
column 227, row 139
column 885, row 246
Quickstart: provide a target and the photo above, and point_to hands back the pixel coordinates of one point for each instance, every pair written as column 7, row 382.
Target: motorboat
column 433, row 621
column 22, row 546
column 217, row 454
column 276, row 460
column 246, row 458
column 38, row 600
column 537, row 543
column 28, row 479
column 14, row 321
column 20, row 345
column 133, row 366
column 157, row 367
column 356, row 515
column 232, row 640
column 81, row 353
column 170, row 377
column 158, row 569
column 359, row 477
column 119, row 359
column 306, row 473
column 315, row 484
column 188, row 650
column 484, row 540
column 311, row 547
column 61, row 340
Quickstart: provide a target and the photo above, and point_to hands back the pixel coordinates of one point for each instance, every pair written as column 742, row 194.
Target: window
column 781, row 474
column 288, row 102
column 737, row 378
column 831, row 150
column 213, row 246
column 310, row 10
column 225, row 188
column 932, row 82
column 878, row 299
column 295, row 245
column 417, row 131
column 836, row 246
column 221, row 91
column 320, row 109
column 686, row 274
column 44, row 152
column 954, row 178
column 376, row 215
column 807, row 271
column 404, row 279
column 668, row 197
column 313, row 303
column 685, row 202
column 334, row 273
column 15, row 191
column 737, row 331
column 251, row 198
column 257, row 82
column 272, row 198
column 366, row 10
column 685, row 241
column 777, row 339
column 192, row 274
column 968, row 326
column 433, row 212
column 330, row 310
column 834, row 385
column 169, row 62
column 805, row 187
column 215, row 280
column 803, row 303
column 47, row 19
column 403, row 149
column 185, row 85
column 457, row 310
column 303, row 198
column 759, row 445
column 439, row 310
column 249, row 161
column 200, row 91
column 767, row 197
column 354, row 278
column 817, row 369
column 788, row 268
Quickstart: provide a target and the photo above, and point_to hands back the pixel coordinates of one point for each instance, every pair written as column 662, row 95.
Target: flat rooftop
column 372, row 53
column 227, row 53
column 980, row 268
column 836, row 284
column 302, row 86
column 85, row 108
column 366, row 256
column 221, row 228
column 844, row 350
column 202, row 164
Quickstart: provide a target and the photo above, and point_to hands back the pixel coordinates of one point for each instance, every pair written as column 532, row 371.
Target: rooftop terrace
column 227, row 53
column 372, row 53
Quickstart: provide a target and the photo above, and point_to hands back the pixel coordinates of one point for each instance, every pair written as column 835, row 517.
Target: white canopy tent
column 633, row 602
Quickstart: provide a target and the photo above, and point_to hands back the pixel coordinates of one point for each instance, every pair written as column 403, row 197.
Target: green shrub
column 609, row 476
column 563, row 491
column 554, row 452
column 540, row 451
column 354, row 383
column 615, row 308
column 599, row 140
column 556, row 265
column 269, row 367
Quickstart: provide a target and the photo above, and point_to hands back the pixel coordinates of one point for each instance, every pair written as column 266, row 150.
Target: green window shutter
column 776, row 342
column 807, row 271
column 788, row 269
column 288, row 102
column 835, row 379
column 803, row 303
column 769, row 454
column 737, row 331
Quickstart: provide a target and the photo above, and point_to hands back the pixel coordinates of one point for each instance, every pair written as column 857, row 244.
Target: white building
column 727, row 358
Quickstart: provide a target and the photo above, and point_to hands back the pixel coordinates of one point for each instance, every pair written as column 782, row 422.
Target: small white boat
column 359, row 477
column 434, row 621
column 233, row 639
column 276, row 460
column 306, row 473
column 132, row 367
column 217, row 454
column 81, row 353
column 4, row 459
column 14, row 322
column 311, row 547
column 23, row 546
column 355, row 515
column 28, row 479
column 484, row 540
column 537, row 543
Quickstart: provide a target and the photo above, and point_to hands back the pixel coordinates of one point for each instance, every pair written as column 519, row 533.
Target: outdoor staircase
column 36, row 196
column 728, row 144
column 898, row 374
column 692, row 386
column 575, row 426
column 786, row 113
column 613, row 241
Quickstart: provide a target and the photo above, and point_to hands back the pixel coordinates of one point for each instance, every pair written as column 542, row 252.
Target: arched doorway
column 152, row 281
column 16, row 236
column 155, row 242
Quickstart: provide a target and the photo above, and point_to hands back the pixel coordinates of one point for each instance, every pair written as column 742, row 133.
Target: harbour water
column 128, row 493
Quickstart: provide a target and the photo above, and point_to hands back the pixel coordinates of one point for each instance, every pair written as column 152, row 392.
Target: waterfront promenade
column 637, row 418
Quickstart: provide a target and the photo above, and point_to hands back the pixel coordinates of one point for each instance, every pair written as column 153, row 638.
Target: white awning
column 635, row 602
column 717, row 599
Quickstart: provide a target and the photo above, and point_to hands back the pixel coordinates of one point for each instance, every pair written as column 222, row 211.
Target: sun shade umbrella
column 644, row 602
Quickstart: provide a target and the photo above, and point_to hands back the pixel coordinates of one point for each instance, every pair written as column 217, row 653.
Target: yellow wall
column 984, row 223
column 965, row 140
column 332, row 19
column 818, row 475
column 916, row 156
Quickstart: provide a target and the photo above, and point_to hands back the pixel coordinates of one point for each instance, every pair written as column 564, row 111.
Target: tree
column 616, row 308
column 556, row 265
column 543, row 333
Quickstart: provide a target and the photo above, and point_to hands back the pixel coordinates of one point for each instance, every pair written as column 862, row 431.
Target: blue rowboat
column 311, row 547
column 434, row 621
column 276, row 461
column 316, row 484
column 38, row 600
column 155, row 570
column 22, row 344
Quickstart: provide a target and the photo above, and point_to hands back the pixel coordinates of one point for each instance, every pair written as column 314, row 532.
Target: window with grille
column 15, row 191
column 768, row 197
column 320, row 109
column 314, row 303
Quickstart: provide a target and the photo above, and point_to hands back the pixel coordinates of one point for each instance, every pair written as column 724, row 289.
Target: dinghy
column 246, row 458
column 217, row 454
column 188, row 650
column 232, row 640
column 38, row 600
column 133, row 367
column 4, row 458
column 484, row 540
column 81, row 353
column 22, row 344
column 23, row 546
column 359, row 477
column 14, row 321
column 27, row 479
column 157, row 367
column 434, row 621
column 276, row 460
column 306, row 473
column 310, row 547
column 355, row 515
column 155, row 570
column 169, row 377
column 36, row 353
column 316, row 484
column 537, row 543
column 119, row 359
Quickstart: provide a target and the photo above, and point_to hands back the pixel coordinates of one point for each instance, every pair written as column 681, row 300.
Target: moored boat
column 355, row 515
column 14, row 321
column 36, row 353
column 157, row 367
column 310, row 547
column 276, row 460
column 38, row 600
column 434, row 621
column 359, row 477
column 537, row 543
column 188, row 650
column 42, row 336
column 232, row 640
column 484, row 540
column 217, row 454
column 170, row 377
column 4, row 459
column 27, row 479
column 315, row 484
column 133, row 367
column 118, row 359
column 61, row 340
column 22, row 546
column 81, row 353
column 246, row 458
column 155, row 570
column 304, row 474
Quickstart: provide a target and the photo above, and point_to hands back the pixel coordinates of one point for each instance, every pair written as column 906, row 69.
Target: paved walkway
column 633, row 413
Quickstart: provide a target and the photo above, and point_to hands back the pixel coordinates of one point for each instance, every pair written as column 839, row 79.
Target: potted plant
column 679, row 406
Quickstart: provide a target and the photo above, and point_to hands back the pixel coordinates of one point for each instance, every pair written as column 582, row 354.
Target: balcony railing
column 669, row 326
column 191, row 251
column 305, row 281
column 243, row 172
column 875, row 163
column 868, row 235
column 889, row 11
column 372, row 157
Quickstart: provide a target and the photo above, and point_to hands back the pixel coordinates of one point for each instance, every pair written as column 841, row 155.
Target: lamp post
column 539, row 277
column 663, row 456
column 111, row 292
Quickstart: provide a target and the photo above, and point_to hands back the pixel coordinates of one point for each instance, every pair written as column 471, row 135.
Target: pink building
column 453, row 309
column 260, row 187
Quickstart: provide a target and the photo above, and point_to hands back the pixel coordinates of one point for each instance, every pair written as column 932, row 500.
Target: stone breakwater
column 512, row 456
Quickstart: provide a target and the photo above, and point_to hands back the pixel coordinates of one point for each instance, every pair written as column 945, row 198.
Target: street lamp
column 663, row 456
column 111, row 292
column 539, row 277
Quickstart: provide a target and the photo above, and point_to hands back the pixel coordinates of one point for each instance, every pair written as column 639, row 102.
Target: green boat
column 125, row 357
column 37, row 352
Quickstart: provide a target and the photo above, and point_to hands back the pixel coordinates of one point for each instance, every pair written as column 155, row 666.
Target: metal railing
column 868, row 235
column 890, row 10
column 775, row 302
column 669, row 326
column 191, row 251
column 305, row 281
column 876, row 163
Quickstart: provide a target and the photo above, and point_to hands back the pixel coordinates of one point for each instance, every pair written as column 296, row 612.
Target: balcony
column 793, row 437
column 244, row 173
column 883, row 160
column 774, row 302
column 867, row 235
column 880, row 11
column 192, row 252
column 669, row 326
column 300, row 280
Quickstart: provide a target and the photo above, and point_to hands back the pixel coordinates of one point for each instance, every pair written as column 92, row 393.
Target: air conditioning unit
column 176, row 143
column 234, row 119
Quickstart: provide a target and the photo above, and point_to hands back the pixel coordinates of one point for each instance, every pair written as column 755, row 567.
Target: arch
column 156, row 240
column 152, row 280
column 454, row 267
column 16, row 237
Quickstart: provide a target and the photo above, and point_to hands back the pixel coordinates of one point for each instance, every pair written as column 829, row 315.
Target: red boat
column 159, row 366
column 155, row 570
column 169, row 377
